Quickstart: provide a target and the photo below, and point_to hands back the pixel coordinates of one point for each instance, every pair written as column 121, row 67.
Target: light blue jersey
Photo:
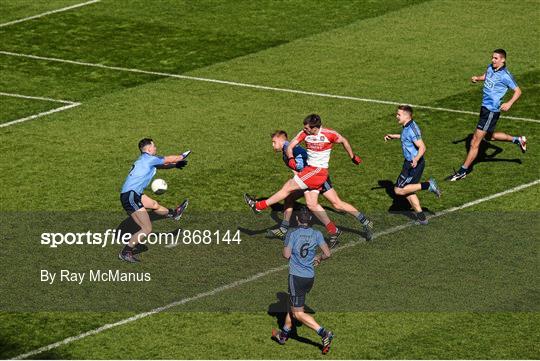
column 303, row 243
column 496, row 85
column 410, row 134
column 141, row 173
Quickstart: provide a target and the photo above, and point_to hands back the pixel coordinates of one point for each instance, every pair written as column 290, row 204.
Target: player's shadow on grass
column 128, row 225
column 279, row 310
column 483, row 150
column 400, row 204
column 277, row 209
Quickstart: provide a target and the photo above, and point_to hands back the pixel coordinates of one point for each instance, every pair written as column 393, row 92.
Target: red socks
column 331, row 228
column 261, row 205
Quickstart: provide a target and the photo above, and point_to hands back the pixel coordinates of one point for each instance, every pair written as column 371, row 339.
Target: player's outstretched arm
column 171, row 159
column 388, row 137
column 476, row 78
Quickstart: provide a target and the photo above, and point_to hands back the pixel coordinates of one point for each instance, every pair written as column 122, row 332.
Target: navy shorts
column 488, row 120
column 299, row 287
column 327, row 185
column 131, row 201
column 410, row 175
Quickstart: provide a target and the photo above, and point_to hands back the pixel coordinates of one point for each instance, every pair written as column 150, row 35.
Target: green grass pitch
column 464, row 287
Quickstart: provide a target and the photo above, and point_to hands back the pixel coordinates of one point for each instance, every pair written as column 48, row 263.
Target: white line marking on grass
column 254, row 277
column 14, row 95
column 69, row 105
column 38, row 115
column 246, row 85
column 49, row 12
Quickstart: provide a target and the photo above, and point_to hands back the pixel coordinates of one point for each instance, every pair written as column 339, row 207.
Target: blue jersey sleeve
column 415, row 133
column 509, row 80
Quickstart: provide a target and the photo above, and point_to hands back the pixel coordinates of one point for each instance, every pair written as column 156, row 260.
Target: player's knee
column 312, row 206
column 398, row 191
column 298, row 314
column 476, row 141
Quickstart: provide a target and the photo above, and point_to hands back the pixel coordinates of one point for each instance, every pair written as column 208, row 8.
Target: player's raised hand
column 474, row 79
column 388, row 137
column 356, row 159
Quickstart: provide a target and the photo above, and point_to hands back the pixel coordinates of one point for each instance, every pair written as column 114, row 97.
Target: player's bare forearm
column 421, row 151
column 290, row 148
column 171, row 159
column 346, row 145
column 476, row 78
column 388, row 137
column 517, row 94
column 287, row 252
column 326, row 253
column 506, row 106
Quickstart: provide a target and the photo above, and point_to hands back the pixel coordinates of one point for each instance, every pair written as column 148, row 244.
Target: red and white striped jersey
column 319, row 146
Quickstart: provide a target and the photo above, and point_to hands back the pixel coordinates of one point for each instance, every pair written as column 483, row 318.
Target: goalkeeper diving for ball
column 135, row 202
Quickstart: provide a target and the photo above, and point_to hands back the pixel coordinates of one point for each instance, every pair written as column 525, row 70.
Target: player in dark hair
column 497, row 80
column 319, row 143
column 406, row 108
column 144, row 142
column 501, row 52
column 313, row 120
column 135, row 202
column 408, row 182
column 300, row 249
column 280, row 143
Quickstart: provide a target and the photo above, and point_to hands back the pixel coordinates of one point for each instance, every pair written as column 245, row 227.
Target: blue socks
column 286, row 331
column 362, row 218
column 321, row 331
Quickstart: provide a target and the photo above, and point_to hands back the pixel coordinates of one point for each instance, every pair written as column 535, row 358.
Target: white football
column 159, row 186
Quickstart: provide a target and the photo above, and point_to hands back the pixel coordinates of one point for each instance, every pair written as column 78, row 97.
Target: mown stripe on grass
column 247, row 85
